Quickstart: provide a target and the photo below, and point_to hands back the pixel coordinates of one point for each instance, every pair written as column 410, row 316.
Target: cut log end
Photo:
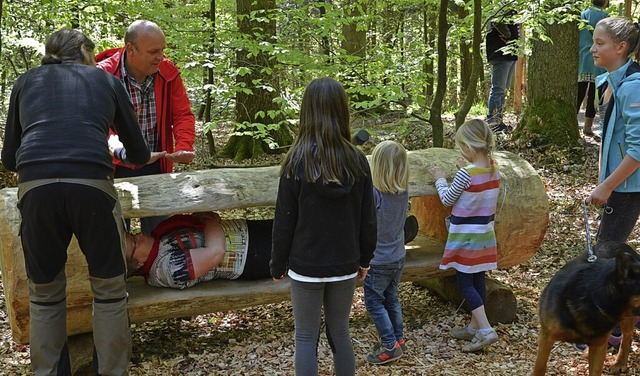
column 501, row 304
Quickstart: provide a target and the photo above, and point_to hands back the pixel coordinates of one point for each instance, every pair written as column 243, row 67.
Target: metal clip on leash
column 590, row 256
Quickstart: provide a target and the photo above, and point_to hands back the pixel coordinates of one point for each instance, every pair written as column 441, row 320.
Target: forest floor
column 259, row 340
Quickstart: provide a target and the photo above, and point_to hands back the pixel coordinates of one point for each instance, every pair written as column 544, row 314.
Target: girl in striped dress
column 471, row 246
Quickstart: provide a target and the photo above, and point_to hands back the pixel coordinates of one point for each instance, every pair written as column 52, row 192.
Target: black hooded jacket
column 323, row 230
column 499, row 35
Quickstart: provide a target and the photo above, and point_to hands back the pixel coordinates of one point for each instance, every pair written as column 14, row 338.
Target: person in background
column 324, row 230
column 390, row 175
column 159, row 99
column 587, row 71
column 501, row 33
column 471, row 247
column 56, row 139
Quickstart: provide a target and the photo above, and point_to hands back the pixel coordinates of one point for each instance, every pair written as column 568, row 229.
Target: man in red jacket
column 159, row 99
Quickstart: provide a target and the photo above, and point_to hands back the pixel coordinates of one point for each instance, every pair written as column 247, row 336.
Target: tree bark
column 472, row 88
column 521, row 223
column 355, row 39
column 208, row 101
column 551, row 115
column 435, row 115
column 259, row 85
column 429, row 46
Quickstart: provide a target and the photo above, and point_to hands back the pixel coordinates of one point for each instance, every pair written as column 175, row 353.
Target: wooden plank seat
column 521, row 222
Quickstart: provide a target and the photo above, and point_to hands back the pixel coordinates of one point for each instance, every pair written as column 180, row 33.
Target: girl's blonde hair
column 477, row 136
column 390, row 171
column 621, row 29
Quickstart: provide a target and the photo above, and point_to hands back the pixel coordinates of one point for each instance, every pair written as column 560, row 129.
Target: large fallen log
column 520, row 227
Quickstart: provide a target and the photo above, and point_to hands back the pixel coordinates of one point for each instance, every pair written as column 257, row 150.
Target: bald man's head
column 144, row 48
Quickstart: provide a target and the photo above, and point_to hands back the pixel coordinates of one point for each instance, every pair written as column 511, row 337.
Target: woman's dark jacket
column 58, row 123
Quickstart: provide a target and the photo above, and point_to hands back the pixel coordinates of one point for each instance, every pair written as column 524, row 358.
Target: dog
column 585, row 300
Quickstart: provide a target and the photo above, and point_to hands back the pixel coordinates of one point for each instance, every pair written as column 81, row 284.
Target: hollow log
column 501, row 304
column 521, row 223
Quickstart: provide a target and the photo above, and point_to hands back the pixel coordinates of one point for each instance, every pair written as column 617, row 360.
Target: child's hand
column 362, row 274
column 437, row 173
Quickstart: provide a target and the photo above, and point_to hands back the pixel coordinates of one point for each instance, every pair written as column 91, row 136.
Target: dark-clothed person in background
column 56, row 139
column 502, row 32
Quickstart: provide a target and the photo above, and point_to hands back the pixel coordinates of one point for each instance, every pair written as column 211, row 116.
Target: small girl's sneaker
column 403, row 345
column 481, row 340
column 467, row 333
column 384, row 355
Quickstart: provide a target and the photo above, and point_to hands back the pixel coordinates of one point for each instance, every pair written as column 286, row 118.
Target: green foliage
column 386, row 74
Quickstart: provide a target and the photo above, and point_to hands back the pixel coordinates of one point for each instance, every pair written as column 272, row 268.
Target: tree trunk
column 435, row 116
column 429, row 44
column 208, row 101
column 355, row 39
column 354, row 42
column 551, row 115
column 521, row 223
column 259, row 86
column 324, row 43
column 466, row 57
column 472, row 87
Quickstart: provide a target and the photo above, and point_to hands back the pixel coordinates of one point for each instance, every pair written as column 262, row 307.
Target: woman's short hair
column 68, row 45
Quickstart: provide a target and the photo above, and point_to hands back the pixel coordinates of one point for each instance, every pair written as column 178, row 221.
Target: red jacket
column 175, row 120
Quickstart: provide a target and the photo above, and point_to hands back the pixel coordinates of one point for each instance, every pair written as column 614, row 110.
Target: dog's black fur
column 584, row 301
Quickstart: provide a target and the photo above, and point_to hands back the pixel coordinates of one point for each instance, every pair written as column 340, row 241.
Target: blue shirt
column 621, row 135
column 391, row 212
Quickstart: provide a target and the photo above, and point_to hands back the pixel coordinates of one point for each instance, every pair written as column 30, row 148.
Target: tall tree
column 472, row 83
column 429, row 37
column 209, row 78
column 435, row 115
column 354, row 37
column 551, row 114
column 466, row 57
column 257, row 113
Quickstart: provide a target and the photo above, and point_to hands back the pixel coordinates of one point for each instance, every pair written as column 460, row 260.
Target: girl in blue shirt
column 616, row 41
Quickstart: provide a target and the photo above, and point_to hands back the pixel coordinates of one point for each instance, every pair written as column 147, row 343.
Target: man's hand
column 181, row 156
column 156, row 155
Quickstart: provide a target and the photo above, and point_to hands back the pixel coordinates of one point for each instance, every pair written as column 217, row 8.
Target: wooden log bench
column 521, row 223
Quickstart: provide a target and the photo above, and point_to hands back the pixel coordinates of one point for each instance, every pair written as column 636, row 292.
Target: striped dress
column 471, row 245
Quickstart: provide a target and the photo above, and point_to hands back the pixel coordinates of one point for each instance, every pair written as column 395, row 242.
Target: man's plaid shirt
column 143, row 97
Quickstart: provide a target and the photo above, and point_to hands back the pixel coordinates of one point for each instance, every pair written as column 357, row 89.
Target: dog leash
column 590, row 256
